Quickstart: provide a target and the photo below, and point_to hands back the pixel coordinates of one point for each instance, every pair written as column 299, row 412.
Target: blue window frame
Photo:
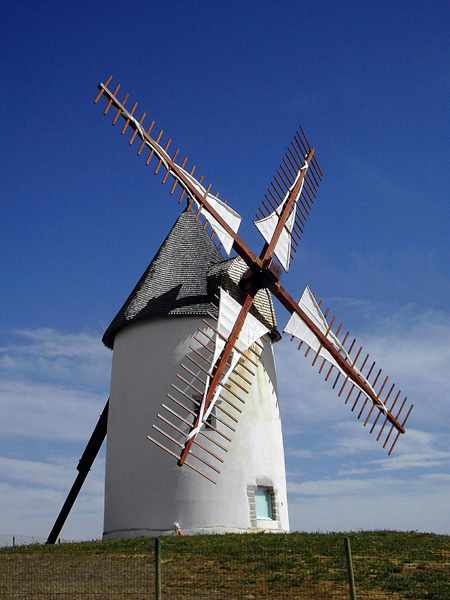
column 264, row 504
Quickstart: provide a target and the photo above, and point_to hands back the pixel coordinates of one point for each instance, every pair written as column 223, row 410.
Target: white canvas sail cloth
column 296, row 327
column 230, row 216
column 267, row 225
column 252, row 330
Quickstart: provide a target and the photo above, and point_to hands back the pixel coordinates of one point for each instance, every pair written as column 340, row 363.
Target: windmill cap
column 182, row 280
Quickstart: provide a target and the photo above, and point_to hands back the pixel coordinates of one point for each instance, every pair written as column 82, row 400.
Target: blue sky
column 230, row 82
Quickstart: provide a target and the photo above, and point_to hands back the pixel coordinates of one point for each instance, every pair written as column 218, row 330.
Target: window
column 264, row 502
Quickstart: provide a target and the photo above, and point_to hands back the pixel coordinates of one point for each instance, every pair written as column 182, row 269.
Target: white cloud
column 418, row 449
column 398, row 511
column 48, row 475
column 371, row 502
column 299, row 453
column 332, row 487
column 32, row 492
column 47, row 411
column 52, row 343
column 350, row 439
column 77, row 359
column 304, row 399
column 437, row 476
column 53, row 386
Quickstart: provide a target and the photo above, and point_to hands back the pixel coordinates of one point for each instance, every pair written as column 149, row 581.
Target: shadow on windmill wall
column 167, row 304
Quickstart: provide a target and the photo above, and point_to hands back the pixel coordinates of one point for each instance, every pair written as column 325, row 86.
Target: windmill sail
column 298, row 328
column 209, row 425
column 293, row 169
column 267, row 226
column 226, row 212
column 252, row 330
column 223, row 220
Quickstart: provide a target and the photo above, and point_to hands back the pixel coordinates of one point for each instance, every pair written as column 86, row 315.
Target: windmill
column 227, row 353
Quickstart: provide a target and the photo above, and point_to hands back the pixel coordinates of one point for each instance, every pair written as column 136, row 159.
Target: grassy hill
column 305, row 566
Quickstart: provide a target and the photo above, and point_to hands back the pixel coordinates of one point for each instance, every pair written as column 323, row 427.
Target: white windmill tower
column 146, row 493
column 193, row 366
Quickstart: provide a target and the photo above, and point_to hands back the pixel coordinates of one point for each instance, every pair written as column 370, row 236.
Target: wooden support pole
column 157, row 569
column 84, row 466
column 351, row 574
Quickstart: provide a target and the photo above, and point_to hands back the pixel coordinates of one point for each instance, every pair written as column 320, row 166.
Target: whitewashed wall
column 145, row 492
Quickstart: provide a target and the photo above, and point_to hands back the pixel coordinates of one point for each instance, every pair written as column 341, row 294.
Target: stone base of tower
column 146, row 493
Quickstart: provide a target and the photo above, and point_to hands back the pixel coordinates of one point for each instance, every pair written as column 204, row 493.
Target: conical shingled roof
column 175, row 282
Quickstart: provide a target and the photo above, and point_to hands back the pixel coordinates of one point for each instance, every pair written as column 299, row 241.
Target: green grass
column 304, row 566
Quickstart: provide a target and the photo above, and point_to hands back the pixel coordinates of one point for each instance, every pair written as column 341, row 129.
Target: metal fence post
column 157, row 569
column 351, row 574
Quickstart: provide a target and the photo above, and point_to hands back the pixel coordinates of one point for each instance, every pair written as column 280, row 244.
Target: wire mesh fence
column 232, row 567
column 414, row 566
column 12, row 540
column 245, row 567
column 49, row 573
